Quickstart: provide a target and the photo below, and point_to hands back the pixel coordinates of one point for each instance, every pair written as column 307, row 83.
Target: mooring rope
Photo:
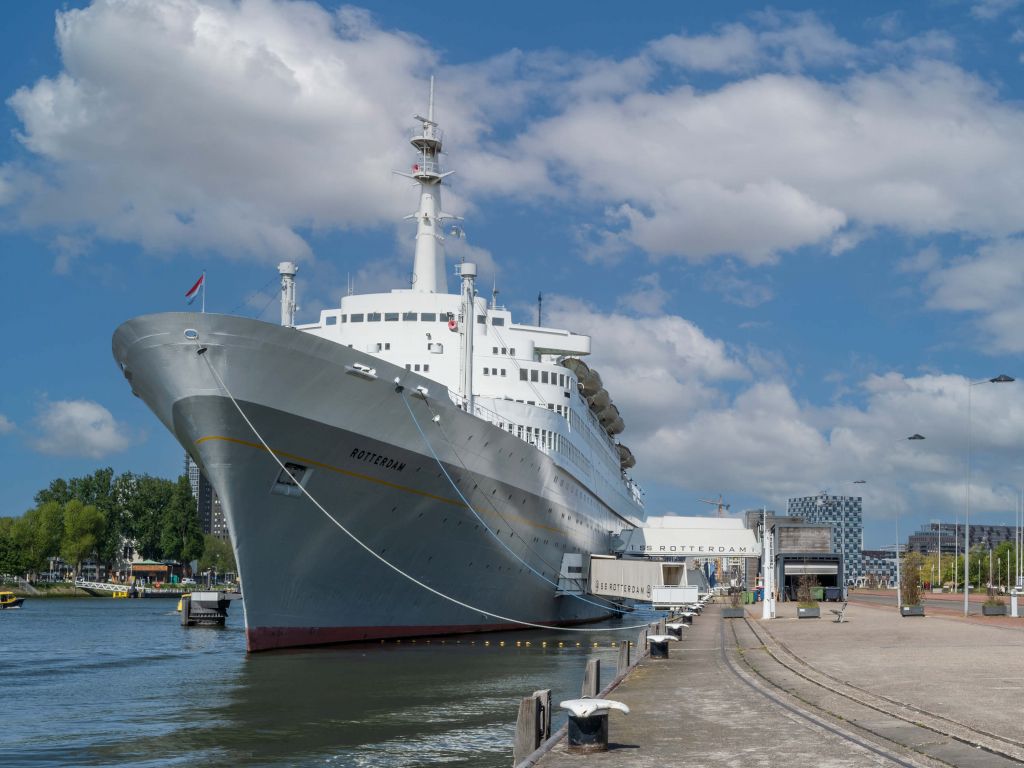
column 201, row 350
column 487, row 528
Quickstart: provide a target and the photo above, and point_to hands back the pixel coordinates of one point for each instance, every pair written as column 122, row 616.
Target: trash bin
column 818, row 593
column 833, row 594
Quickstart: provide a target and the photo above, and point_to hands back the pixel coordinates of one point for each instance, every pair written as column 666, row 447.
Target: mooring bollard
column 623, row 664
column 659, row 645
column 588, row 723
column 641, row 644
column 676, row 628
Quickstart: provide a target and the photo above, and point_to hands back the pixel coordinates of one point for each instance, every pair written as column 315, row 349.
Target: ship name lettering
column 377, row 459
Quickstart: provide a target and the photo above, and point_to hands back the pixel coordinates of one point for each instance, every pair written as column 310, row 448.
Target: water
column 101, row 682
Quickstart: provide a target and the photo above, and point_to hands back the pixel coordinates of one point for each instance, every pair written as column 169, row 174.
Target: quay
column 877, row 689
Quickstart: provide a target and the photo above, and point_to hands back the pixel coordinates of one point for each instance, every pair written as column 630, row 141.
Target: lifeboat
column 608, row 416
column 616, row 426
column 626, row 458
column 599, row 400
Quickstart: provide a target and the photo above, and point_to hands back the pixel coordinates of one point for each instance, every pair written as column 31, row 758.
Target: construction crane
column 722, row 508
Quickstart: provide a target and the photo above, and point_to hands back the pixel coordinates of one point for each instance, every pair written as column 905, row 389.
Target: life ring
column 452, row 325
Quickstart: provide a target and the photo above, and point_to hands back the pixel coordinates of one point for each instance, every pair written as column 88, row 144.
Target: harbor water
column 101, row 682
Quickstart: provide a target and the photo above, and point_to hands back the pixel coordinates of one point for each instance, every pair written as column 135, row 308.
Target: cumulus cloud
column 986, row 10
column 702, row 414
column 79, row 428
column 988, row 285
column 6, row 425
column 646, row 298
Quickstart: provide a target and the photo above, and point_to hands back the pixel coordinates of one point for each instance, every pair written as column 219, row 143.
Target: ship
column 414, row 463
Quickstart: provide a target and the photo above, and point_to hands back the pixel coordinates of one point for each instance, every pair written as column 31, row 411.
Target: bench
column 840, row 614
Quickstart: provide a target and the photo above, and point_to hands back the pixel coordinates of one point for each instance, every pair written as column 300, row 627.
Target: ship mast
column 428, row 270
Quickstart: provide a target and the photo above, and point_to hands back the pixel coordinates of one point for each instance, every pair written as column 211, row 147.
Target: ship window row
column 389, row 317
column 504, row 351
column 542, row 377
column 417, row 367
column 493, row 372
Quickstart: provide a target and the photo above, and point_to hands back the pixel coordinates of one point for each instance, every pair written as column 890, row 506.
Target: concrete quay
column 878, row 689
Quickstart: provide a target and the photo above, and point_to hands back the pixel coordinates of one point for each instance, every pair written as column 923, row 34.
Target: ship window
column 543, row 377
column 561, row 379
column 428, row 317
column 512, row 351
column 390, row 317
column 409, row 316
column 387, row 345
column 426, row 367
column 332, row 320
column 486, row 371
column 357, row 317
column 481, row 319
column 522, row 374
column 497, row 321
column 533, row 375
column 504, row 351
column 416, row 367
column 373, row 317
column 344, row 318
column 502, row 371
column 408, row 366
column 494, row 350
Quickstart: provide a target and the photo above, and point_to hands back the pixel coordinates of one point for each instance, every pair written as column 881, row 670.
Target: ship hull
column 415, row 519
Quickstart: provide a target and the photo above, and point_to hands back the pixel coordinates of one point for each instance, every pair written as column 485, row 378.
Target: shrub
column 805, row 590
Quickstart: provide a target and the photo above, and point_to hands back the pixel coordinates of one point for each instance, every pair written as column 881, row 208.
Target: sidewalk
column 695, row 710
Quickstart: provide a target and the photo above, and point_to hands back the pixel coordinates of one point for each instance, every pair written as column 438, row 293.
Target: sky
column 793, row 231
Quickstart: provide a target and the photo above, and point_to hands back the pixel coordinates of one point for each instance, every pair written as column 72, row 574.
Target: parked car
column 188, row 581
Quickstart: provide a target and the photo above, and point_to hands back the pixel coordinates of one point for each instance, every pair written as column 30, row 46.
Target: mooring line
column 201, row 350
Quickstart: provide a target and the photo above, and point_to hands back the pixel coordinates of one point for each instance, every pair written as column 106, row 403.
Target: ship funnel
column 287, row 270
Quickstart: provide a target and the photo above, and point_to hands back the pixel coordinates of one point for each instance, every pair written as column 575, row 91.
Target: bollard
column 186, row 607
column 660, row 627
column 676, row 628
column 623, row 664
column 588, row 723
column 641, row 644
column 659, row 645
column 591, row 679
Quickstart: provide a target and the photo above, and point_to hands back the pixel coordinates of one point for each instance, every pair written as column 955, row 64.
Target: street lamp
column 1000, row 379
column 899, row 578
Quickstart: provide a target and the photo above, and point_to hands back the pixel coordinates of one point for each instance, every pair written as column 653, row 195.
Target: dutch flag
column 194, row 290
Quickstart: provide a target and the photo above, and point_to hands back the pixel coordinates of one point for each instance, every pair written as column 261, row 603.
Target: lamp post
column 1000, row 379
column 899, row 577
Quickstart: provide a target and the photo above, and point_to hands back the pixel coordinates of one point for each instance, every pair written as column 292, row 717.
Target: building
column 951, row 535
column 211, row 515
column 800, row 548
column 845, row 515
column 879, row 567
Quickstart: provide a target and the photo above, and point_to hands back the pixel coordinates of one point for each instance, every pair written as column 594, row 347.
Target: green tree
column 217, row 554
column 144, row 506
column 49, row 527
column 10, row 555
column 910, row 578
column 84, row 525
column 181, row 536
column 26, row 541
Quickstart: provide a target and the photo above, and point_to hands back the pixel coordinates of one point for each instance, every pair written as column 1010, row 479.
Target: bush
column 910, row 579
column 805, row 591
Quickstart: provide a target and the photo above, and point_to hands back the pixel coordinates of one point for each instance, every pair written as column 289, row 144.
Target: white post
column 287, row 270
column 768, row 568
column 467, row 272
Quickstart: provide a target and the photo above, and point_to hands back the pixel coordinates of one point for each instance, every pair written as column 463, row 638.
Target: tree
column 25, row 540
column 910, row 578
column 84, row 525
column 217, row 554
column 181, row 536
column 49, row 527
column 145, row 505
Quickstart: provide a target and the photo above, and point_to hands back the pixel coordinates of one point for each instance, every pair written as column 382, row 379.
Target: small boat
column 10, row 600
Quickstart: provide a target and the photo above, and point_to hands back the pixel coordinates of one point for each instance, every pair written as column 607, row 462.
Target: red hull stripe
column 269, row 638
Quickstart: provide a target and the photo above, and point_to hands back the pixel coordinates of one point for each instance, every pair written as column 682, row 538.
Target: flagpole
column 204, row 291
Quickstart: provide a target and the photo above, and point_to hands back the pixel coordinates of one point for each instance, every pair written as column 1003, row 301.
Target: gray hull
column 371, row 465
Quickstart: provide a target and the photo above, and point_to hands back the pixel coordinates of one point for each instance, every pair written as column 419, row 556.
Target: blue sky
column 794, row 231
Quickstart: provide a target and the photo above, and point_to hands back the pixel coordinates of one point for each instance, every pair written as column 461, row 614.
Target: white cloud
column 233, row 126
column 646, row 298
column 6, row 425
column 989, row 285
column 79, row 428
column 987, row 10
